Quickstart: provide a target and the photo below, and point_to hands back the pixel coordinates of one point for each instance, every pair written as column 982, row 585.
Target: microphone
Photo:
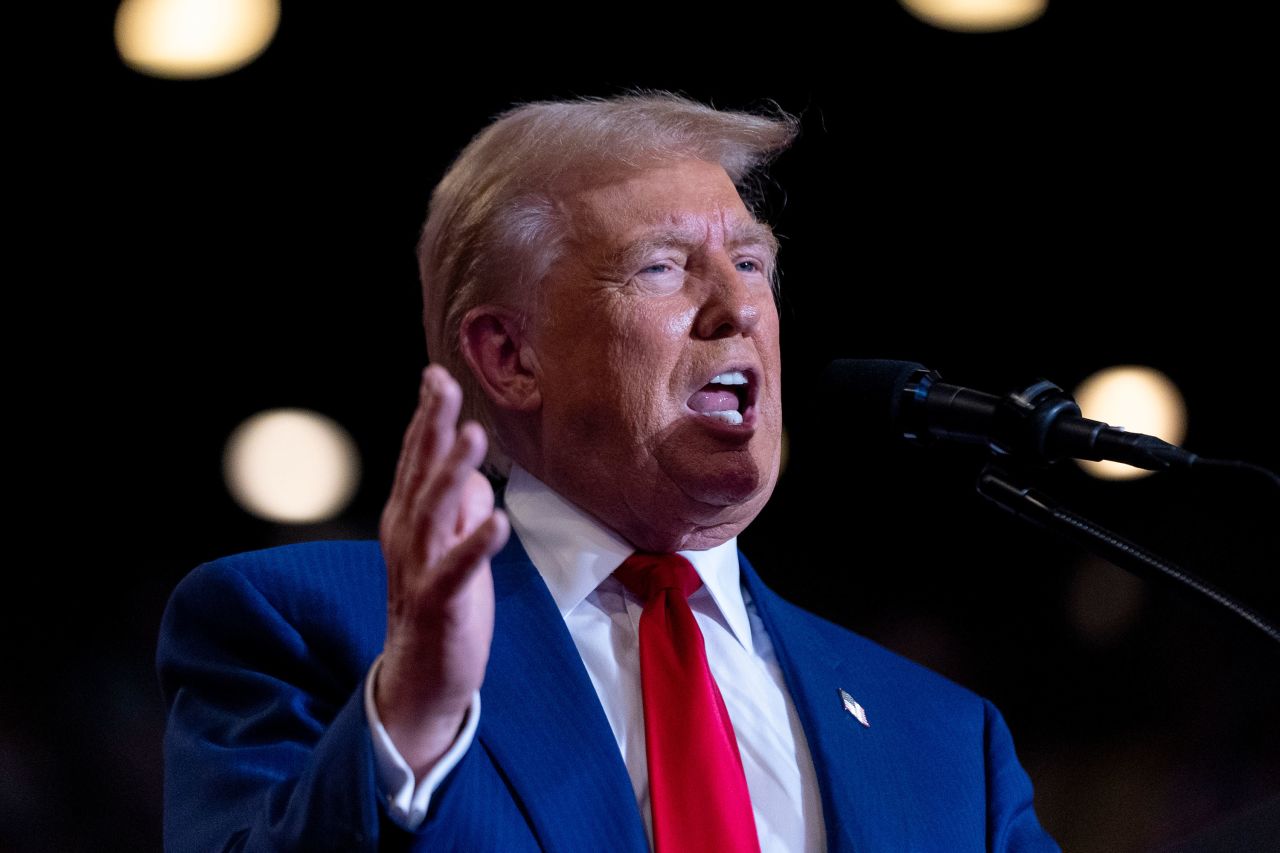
column 1040, row 423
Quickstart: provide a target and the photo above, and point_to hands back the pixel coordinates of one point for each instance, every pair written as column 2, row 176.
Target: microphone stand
column 1010, row 492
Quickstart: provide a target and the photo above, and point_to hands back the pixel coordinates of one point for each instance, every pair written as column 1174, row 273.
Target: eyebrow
column 744, row 233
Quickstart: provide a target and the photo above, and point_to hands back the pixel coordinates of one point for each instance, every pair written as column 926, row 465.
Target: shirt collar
column 575, row 553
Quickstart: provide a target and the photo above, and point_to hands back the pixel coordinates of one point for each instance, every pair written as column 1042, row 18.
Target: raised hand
column 438, row 531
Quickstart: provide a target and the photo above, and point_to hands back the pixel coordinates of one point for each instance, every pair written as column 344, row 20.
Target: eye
column 750, row 265
column 661, row 267
column 665, row 275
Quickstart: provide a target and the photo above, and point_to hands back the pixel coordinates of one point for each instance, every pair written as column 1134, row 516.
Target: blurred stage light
column 291, row 466
column 186, row 39
column 1104, row 601
column 976, row 16
column 1140, row 399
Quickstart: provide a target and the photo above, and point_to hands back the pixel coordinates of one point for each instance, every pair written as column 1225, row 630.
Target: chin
column 719, row 484
column 728, row 489
column 703, row 506
column 736, row 483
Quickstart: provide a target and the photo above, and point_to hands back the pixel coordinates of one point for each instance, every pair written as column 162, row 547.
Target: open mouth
column 728, row 397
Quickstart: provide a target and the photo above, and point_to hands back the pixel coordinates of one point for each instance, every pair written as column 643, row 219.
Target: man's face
column 655, row 340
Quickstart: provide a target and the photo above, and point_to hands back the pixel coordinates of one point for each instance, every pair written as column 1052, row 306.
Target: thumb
column 475, row 505
column 466, row 557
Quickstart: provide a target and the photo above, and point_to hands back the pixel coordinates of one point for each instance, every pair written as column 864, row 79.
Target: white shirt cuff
column 407, row 802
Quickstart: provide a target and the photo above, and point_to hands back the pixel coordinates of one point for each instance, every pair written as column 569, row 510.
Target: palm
column 438, row 531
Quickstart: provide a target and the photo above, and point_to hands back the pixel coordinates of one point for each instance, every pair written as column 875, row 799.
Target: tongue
column 711, row 399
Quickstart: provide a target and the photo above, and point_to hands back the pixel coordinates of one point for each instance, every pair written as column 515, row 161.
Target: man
column 594, row 280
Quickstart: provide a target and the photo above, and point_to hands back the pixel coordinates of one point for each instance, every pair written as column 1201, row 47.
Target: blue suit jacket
column 262, row 657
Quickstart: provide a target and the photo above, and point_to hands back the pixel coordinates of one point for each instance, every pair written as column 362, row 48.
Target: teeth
column 729, row 416
column 732, row 378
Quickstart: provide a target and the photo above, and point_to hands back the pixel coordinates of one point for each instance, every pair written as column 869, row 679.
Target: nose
column 731, row 303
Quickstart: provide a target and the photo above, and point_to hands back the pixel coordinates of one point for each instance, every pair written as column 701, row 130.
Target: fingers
column 439, row 502
column 431, row 431
column 473, row 552
column 476, row 505
column 441, row 422
column 439, row 498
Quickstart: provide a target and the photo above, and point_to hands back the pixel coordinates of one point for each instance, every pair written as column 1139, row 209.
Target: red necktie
column 696, row 784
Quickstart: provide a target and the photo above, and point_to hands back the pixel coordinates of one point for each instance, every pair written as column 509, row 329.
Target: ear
column 494, row 346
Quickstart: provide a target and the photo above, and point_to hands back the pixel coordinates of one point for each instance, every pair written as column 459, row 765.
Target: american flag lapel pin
column 851, row 705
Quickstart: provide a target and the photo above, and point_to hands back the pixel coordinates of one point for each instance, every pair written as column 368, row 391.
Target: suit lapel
column 542, row 722
column 856, row 772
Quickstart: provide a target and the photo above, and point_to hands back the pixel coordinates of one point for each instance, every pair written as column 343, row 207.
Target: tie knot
column 648, row 574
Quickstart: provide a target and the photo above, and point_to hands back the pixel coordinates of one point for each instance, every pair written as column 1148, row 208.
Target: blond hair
column 494, row 227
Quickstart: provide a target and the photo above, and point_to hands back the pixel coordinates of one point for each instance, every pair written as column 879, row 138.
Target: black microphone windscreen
column 872, row 392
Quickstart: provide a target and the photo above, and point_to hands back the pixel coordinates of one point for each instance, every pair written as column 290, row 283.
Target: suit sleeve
column 267, row 744
column 1012, row 824
column 408, row 800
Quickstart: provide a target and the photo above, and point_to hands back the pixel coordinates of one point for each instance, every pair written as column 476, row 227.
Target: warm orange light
column 194, row 38
column 291, row 465
column 976, row 16
column 1104, row 602
column 1140, row 399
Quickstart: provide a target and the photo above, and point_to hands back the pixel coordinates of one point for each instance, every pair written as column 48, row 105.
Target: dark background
column 1092, row 189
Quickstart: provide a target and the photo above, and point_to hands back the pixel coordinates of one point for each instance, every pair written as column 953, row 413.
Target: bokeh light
column 1104, row 602
column 187, row 39
column 1140, row 399
column 292, row 466
column 976, row 16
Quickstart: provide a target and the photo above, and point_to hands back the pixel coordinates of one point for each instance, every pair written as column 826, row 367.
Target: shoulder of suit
column 303, row 561
column 304, row 565
column 308, row 583
column 312, row 615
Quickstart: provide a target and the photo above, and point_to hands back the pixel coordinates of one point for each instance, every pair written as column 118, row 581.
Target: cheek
column 770, row 355
column 646, row 347
column 637, row 378
column 676, row 324
column 612, row 381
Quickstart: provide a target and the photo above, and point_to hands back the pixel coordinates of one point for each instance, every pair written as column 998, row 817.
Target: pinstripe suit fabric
column 262, row 657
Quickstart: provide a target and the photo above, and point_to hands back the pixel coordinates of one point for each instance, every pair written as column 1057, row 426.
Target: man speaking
column 594, row 666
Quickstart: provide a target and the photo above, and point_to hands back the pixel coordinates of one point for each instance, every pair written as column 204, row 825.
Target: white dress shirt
column 576, row 556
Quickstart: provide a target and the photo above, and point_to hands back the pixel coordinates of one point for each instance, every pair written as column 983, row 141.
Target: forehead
column 694, row 197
